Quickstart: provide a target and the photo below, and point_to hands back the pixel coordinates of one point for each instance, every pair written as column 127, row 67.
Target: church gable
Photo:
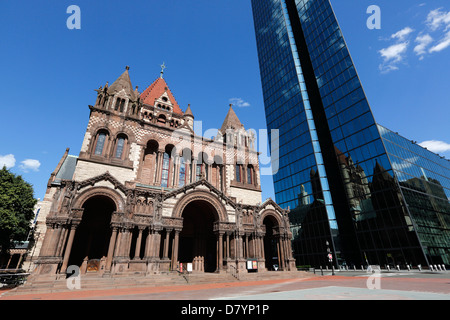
column 104, row 180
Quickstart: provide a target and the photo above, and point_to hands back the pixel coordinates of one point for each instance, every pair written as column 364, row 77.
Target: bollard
column 431, row 267
column 443, row 267
column 439, row 267
column 435, row 268
column 420, row 267
column 409, row 269
column 398, row 267
column 354, row 267
column 388, row 268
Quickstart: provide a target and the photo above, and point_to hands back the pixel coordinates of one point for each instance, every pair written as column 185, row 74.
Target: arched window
column 201, row 170
column 162, row 118
column 250, row 174
column 182, row 175
column 166, row 166
column 120, row 146
column 165, row 170
column 101, row 141
column 122, row 104
column 198, row 171
column 238, row 173
column 185, row 167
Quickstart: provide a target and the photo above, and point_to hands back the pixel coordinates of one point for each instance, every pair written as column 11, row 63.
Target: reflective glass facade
column 424, row 180
column 334, row 172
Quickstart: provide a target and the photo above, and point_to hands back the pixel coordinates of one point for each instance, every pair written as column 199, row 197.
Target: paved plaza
column 341, row 286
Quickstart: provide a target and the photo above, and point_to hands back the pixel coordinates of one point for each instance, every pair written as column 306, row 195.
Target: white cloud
column 402, row 34
column 437, row 19
column 423, row 42
column 402, row 165
column 392, row 55
column 443, row 44
column 30, row 164
column 239, row 102
column 394, row 52
column 437, row 27
column 436, row 145
column 8, row 160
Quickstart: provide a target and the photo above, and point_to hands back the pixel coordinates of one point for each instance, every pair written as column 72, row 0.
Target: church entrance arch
column 198, row 242
column 271, row 243
column 94, row 232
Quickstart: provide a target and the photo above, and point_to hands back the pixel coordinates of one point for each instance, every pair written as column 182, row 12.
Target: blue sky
column 49, row 72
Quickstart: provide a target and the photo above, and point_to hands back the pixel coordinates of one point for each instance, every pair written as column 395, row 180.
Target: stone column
column 156, row 244
column 228, row 246
column 222, row 178
column 240, row 247
column 220, row 251
column 246, row 247
column 281, row 252
column 262, row 247
column 73, row 229
column 255, row 255
column 149, row 244
column 208, row 172
column 166, row 244
column 62, row 240
column 125, row 243
column 194, row 170
column 175, row 249
column 137, row 251
column 159, row 161
column 55, row 240
column 176, row 173
column 112, row 243
column 47, row 240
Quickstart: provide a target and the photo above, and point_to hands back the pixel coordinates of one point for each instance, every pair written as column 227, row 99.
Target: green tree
column 16, row 208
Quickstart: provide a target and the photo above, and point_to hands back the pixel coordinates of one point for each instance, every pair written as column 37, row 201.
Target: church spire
column 123, row 83
column 231, row 121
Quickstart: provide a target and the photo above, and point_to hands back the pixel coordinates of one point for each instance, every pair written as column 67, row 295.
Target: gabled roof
column 123, row 82
column 155, row 91
column 231, row 121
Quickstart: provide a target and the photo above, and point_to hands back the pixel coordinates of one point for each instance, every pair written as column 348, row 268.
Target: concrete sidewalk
column 339, row 287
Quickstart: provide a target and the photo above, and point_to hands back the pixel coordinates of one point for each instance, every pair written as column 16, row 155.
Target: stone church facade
column 147, row 195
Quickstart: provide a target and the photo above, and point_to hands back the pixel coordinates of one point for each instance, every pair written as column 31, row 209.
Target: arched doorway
column 94, row 232
column 197, row 243
column 270, row 243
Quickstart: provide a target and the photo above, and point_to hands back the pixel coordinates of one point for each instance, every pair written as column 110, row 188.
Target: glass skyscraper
column 354, row 190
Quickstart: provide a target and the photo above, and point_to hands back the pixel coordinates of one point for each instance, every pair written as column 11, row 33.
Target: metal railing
column 184, row 274
column 234, row 272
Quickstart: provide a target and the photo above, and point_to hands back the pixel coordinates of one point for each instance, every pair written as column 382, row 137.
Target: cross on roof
column 163, row 66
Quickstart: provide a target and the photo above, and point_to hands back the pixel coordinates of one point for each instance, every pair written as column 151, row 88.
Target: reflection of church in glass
column 392, row 220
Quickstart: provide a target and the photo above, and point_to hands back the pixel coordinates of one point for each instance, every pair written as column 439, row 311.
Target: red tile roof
column 156, row 90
